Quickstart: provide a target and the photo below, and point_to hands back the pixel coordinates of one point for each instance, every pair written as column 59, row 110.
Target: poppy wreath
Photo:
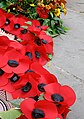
column 48, row 12
column 24, row 49
column 38, row 45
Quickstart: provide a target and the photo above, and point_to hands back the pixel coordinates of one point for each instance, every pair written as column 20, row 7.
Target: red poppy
column 3, row 78
column 4, row 42
column 3, row 60
column 25, row 36
column 45, row 77
column 63, row 95
column 2, row 17
column 10, row 81
column 9, row 23
column 40, row 109
column 37, row 53
column 16, row 62
column 25, row 87
column 42, row 12
column 2, row 20
column 37, row 24
column 18, row 47
column 42, row 39
column 47, row 42
column 18, row 22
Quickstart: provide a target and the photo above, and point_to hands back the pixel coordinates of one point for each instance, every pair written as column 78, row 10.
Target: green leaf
column 25, row 27
column 16, row 102
column 56, row 18
column 51, row 14
column 29, row 23
column 46, row 21
column 41, row 97
column 52, row 23
column 10, row 114
column 50, row 56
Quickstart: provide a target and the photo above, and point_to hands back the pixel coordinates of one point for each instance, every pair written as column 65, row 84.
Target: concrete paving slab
column 68, row 60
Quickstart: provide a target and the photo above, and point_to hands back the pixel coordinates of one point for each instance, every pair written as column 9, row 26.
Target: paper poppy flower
column 40, row 109
column 25, row 36
column 37, row 24
column 63, row 95
column 37, row 53
column 2, row 17
column 47, row 42
column 45, row 77
column 42, row 12
column 4, row 42
column 42, row 39
column 4, row 78
column 9, row 82
column 9, row 23
column 25, row 87
column 18, row 22
column 16, row 62
column 3, row 60
column 18, row 47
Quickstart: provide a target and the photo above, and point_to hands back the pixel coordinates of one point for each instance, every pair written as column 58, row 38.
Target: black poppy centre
column 13, row 63
column 16, row 26
column 29, row 70
column 38, row 42
column 27, row 87
column 14, row 78
column 24, row 31
column 37, row 113
column 1, row 72
column 29, row 54
column 44, row 41
column 57, row 98
column 7, row 22
column 37, row 54
column 41, row 87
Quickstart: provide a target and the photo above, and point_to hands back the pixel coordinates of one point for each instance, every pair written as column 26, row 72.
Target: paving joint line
column 68, row 73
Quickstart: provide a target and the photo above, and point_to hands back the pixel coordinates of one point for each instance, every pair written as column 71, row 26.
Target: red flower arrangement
column 40, row 109
column 33, row 35
column 42, row 12
column 22, row 73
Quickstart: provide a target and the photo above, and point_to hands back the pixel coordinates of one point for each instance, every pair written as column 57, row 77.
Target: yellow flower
column 62, row 5
column 42, row 1
column 32, row 5
column 8, row 10
column 48, row 7
column 42, row 5
column 39, row 4
column 13, row 8
column 57, row 12
column 65, row 11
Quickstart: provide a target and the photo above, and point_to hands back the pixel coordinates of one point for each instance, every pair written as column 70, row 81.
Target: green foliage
column 50, row 56
column 25, row 8
column 10, row 114
column 16, row 102
column 41, row 97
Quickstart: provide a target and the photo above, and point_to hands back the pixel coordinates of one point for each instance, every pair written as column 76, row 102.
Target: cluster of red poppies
column 33, row 36
column 22, row 74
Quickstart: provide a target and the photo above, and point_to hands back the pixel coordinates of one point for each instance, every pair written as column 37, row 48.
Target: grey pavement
column 68, row 60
